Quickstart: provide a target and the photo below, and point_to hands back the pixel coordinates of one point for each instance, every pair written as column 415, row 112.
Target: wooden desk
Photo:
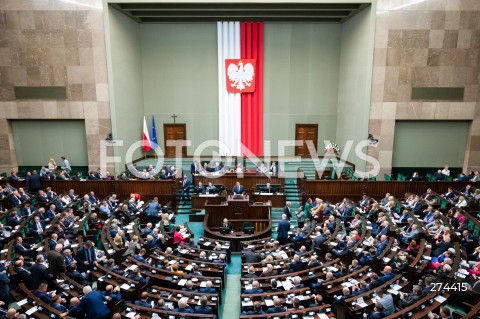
column 277, row 200
column 248, row 180
column 238, row 211
column 198, row 201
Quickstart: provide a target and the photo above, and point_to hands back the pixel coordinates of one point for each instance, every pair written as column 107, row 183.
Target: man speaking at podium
column 238, row 189
column 227, row 227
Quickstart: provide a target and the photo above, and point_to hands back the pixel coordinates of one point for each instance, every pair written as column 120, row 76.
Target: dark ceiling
column 209, row 12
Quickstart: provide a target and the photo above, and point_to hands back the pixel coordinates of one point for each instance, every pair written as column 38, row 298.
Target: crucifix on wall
column 174, row 117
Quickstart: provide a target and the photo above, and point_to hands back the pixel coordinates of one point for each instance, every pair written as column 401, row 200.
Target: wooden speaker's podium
column 240, row 212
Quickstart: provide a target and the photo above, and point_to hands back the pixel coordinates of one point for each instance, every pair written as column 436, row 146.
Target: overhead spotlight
column 372, row 140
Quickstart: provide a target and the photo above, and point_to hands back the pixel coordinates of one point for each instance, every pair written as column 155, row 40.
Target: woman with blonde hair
column 118, row 240
column 52, row 166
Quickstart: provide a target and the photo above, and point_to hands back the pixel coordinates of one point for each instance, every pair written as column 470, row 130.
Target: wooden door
column 177, row 132
column 305, row 132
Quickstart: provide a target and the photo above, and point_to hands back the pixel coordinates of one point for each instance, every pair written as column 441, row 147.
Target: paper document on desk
column 247, row 303
column 287, row 285
column 131, row 314
column 30, row 311
column 189, row 267
column 440, row 299
column 268, row 302
column 182, row 282
column 22, row 302
column 125, row 286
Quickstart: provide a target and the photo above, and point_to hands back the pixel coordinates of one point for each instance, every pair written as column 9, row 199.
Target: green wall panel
column 36, row 141
column 429, row 143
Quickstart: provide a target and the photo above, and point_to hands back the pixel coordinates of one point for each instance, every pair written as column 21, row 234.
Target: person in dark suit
column 257, row 309
column 185, row 189
column 37, row 228
column 318, row 241
column 208, row 289
column 143, row 300
column 227, row 227
column 287, row 210
column 24, row 249
column 152, row 211
column 203, row 308
column 277, row 306
column 4, row 287
column 255, row 289
column 86, row 257
column 34, row 182
column 296, row 264
column 74, row 274
column 377, row 312
column 199, row 189
column 387, row 275
column 40, row 272
column 42, row 294
column 92, row 304
column 22, row 272
column 183, row 307
column 56, row 263
column 238, row 189
column 250, row 256
column 15, row 199
column 195, row 168
column 282, row 230
column 57, row 304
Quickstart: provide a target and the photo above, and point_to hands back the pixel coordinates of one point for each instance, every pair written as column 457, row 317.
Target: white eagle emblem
column 241, row 76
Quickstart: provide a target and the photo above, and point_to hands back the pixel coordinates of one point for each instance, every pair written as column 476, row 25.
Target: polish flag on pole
column 146, row 145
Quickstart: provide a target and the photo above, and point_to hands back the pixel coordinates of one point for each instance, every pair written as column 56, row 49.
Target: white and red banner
column 240, row 84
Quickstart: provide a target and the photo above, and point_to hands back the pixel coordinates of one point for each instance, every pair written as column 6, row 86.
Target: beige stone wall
column 53, row 43
column 430, row 43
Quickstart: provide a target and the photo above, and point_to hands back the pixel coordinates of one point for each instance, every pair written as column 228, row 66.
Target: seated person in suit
column 37, row 228
column 208, row 289
column 24, row 249
column 42, row 293
column 203, row 308
column 199, row 189
column 238, row 189
column 57, row 304
column 22, row 272
column 183, row 307
column 112, row 293
column 211, row 189
column 277, row 306
column 268, row 189
column 227, row 227
column 189, row 287
column 377, row 312
column 257, row 309
column 255, row 289
column 143, row 300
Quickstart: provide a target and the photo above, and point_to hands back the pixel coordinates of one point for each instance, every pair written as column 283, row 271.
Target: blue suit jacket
column 283, row 228
column 153, row 209
column 235, row 190
column 93, row 306
column 186, row 184
column 381, row 248
column 143, row 303
column 383, row 279
column 203, row 310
